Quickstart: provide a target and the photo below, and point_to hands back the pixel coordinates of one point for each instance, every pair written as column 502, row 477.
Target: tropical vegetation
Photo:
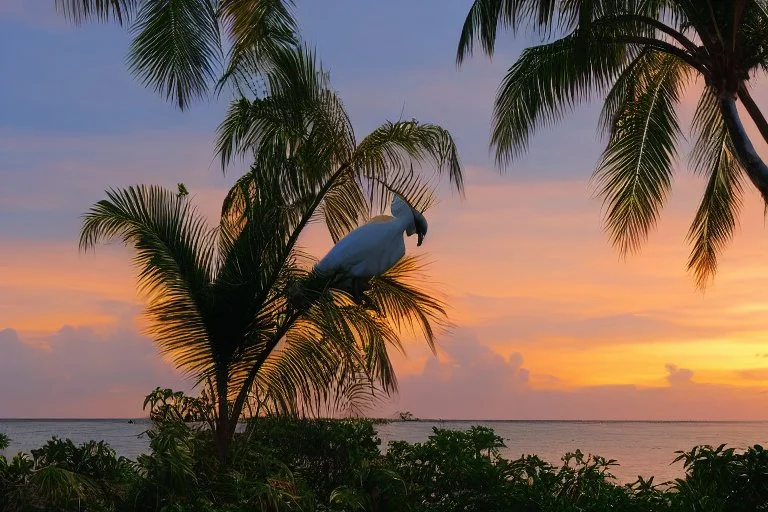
column 236, row 305
column 269, row 342
column 283, row 463
column 642, row 57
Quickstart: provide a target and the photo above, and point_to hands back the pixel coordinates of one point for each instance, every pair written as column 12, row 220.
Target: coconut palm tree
column 219, row 299
column 183, row 48
column 642, row 55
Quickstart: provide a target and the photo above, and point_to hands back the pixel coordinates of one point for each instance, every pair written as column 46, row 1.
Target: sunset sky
column 550, row 322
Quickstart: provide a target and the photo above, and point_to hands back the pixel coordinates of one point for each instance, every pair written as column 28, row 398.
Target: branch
column 664, row 47
column 677, row 36
column 243, row 393
column 300, row 227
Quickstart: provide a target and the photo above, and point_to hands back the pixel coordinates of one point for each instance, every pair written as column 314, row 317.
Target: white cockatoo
column 372, row 249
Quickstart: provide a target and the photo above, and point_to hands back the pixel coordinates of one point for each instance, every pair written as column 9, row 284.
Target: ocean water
column 641, row 448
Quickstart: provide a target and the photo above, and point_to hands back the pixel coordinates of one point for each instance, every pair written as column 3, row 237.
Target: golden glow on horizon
column 551, row 289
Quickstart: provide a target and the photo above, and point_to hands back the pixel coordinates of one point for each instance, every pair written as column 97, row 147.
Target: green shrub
column 454, row 471
column 325, row 454
column 63, row 476
column 722, row 479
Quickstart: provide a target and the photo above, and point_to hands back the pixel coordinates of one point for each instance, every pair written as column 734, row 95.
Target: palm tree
column 178, row 46
column 219, row 299
column 642, row 54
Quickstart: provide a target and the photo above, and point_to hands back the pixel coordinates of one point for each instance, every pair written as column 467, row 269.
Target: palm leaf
column 718, row 212
column 344, row 206
column 548, row 80
column 401, row 296
column 174, row 256
column 386, row 157
column 177, row 48
column 300, row 114
column 634, row 173
column 303, row 121
column 259, row 31
column 79, row 11
column 419, row 191
column 486, row 16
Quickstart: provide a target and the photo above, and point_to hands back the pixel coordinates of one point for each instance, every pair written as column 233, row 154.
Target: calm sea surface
column 641, row 448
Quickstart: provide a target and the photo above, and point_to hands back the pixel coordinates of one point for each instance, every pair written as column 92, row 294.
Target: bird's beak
column 421, row 239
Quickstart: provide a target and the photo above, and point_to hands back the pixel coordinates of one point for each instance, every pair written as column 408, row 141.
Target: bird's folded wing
column 362, row 244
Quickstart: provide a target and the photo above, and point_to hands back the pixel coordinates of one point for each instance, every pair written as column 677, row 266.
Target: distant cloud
column 469, row 381
column 77, row 373
column 754, row 374
column 678, row 376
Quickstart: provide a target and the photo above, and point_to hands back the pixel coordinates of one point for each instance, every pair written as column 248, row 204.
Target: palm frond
column 299, row 366
column 336, row 355
column 177, row 48
column 344, row 206
column 174, row 255
column 79, row 11
column 391, row 150
column 259, row 31
column 334, row 358
column 716, row 218
column 417, row 190
column 635, row 170
column 486, row 16
column 625, row 89
column 402, row 297
column 547, row 81
column 300, row 115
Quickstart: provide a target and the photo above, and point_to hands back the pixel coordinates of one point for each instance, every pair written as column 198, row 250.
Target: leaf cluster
column 640, row 57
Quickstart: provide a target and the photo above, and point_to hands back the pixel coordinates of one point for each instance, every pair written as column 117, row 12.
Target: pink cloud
column 75, row 372
column 473, row 382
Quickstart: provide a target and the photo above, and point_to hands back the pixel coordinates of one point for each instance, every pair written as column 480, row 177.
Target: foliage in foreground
column 289, row 464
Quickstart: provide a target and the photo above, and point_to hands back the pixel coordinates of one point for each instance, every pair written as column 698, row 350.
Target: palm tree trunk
column 237, row 406
column 745, row 151
column 220, row 436
column 754, row 111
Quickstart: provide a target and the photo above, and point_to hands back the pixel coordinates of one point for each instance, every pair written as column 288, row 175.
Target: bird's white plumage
column 373, row 248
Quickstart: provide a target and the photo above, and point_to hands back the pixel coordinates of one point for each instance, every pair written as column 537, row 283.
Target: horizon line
column 430, row 420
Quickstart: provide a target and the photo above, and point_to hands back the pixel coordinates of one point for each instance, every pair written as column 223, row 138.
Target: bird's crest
column 400, row 208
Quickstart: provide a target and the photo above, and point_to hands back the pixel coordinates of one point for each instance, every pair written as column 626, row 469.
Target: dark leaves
column 177, row 48
column 634, row 172
column 716, row 218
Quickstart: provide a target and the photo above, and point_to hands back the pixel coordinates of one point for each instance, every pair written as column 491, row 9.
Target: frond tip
column 79, row 11
column 716, row 218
